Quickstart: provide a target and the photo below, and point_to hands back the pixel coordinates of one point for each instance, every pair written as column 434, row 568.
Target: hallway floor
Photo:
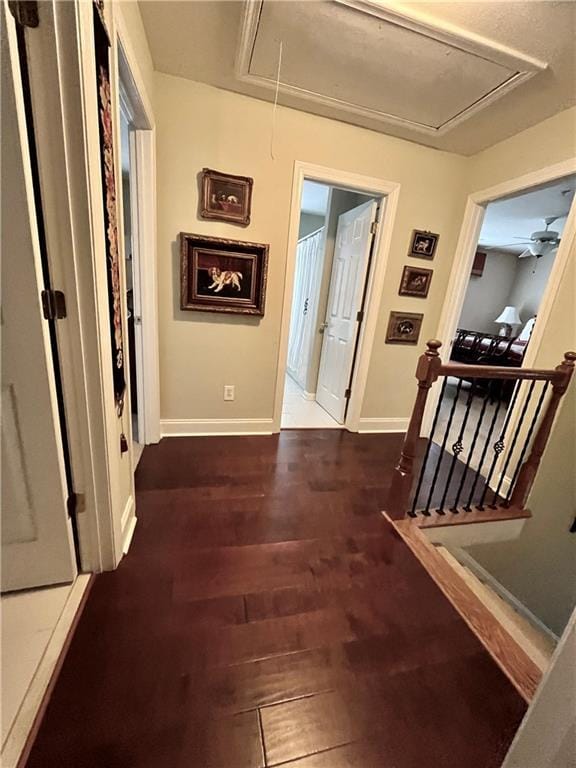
column 300, row 413
column 268, row 615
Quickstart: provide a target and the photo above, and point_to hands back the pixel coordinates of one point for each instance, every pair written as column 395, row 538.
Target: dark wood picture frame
column 478, row 264
column 225, row 197
column 415, row 282
column 404, row 327
column 220, row 275
column 423, row 244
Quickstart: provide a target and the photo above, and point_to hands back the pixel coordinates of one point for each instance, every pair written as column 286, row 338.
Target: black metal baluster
column 487, row 397
column 490, row 396
column 499, row 444
column 426, row 510
column 528, row 438
column 412, row 512
column 457, row 448
column 513, row 443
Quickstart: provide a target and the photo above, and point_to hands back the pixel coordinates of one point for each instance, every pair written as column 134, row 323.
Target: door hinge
column 373, row 226
column 53, row 305
column 360, row 316
column 25, row 12
column 348, row 393
column 75, row 504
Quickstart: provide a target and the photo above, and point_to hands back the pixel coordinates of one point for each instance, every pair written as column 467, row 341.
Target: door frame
column 134, row 100
column 388, row 192
column 464, row 256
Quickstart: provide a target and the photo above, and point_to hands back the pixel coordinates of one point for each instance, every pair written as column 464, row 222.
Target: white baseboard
column 475, row 533
column 308, row 395
column 16, row 738
column 208, row 427
column 382, row 425
column 485, row 576
column 128, row 523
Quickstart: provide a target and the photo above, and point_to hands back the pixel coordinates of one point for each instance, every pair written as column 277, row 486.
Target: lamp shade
column 509, row 315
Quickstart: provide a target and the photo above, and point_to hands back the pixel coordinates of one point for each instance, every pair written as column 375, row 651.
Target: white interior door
column 308, row 275
column 37, row 543
column 349, row 267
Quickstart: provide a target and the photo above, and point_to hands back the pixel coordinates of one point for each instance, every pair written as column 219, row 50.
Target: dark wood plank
column 265, row 595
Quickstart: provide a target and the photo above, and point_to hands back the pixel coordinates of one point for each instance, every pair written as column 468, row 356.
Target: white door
column 349, row 268
column 37, row 543
column 307, row 277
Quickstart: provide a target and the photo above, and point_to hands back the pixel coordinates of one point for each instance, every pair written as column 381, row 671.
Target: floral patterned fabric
column 102, row 49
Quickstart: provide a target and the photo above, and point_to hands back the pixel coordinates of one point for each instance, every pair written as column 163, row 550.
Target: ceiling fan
column 539, row 243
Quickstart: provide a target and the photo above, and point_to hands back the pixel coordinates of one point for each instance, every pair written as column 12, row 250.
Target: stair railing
column 489, row 432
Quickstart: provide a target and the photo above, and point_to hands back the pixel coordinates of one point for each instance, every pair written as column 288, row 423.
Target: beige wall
column 202, row 126
column 546, row 143
column 487, row 295
column 530, row 283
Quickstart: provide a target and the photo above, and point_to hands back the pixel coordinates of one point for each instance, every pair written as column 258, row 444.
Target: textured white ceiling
column 199, row 40
column 519, row 216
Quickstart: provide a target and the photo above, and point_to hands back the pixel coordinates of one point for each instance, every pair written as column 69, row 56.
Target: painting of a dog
column 423, row 244
column 221, row 279
column 225, row 197
column 219, row 275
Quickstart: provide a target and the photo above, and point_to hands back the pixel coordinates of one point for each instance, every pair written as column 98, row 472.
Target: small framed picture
column 415, row 282
column 218, row 275
column 478, row 264
column 225, row 197
column 423, row 244
column 404, row 327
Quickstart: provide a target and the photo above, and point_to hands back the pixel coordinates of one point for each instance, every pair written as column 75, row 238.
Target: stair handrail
column 429, row 368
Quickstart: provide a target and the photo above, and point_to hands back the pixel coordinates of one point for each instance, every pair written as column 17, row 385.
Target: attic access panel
column 369, row 59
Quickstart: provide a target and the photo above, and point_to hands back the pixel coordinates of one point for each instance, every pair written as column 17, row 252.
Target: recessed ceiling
column 457, row 76
column 515, row 218
column 369, row 60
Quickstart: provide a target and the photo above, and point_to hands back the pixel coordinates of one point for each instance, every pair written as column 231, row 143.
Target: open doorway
column 138, row 202
column 333, row 256
column 513, row 264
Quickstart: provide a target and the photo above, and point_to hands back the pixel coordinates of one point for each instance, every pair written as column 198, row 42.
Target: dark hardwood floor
column 267, row 614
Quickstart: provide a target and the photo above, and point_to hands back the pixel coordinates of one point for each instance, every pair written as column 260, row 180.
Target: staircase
column 521, row 650
column 489, row 431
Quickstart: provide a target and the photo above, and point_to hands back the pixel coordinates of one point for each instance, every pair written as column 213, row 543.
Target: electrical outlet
column 229, row 392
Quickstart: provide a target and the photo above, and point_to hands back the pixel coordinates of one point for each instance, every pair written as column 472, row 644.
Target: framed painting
column 404, row 327
column 415, row 282
column 423, row 244
column 218, row 275
column 225, row 197
column 478, row 264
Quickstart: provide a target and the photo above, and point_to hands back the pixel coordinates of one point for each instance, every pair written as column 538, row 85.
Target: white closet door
column 349, row 267
column 307, row 276
column 37, row 544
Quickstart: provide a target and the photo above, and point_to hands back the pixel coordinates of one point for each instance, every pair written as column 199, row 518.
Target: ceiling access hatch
column 371, row 59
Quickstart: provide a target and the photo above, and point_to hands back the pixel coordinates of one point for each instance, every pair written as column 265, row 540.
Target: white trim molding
column 210, row 427
column 136, row 101
column 386, row 425
column 388, row 192
column 521, row 66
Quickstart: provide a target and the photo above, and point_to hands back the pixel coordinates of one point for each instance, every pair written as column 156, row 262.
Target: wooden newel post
column 529, row 469
column 427, row 372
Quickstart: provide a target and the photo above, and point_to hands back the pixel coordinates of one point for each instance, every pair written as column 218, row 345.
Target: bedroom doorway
column 336, row 235
column 514, row 261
